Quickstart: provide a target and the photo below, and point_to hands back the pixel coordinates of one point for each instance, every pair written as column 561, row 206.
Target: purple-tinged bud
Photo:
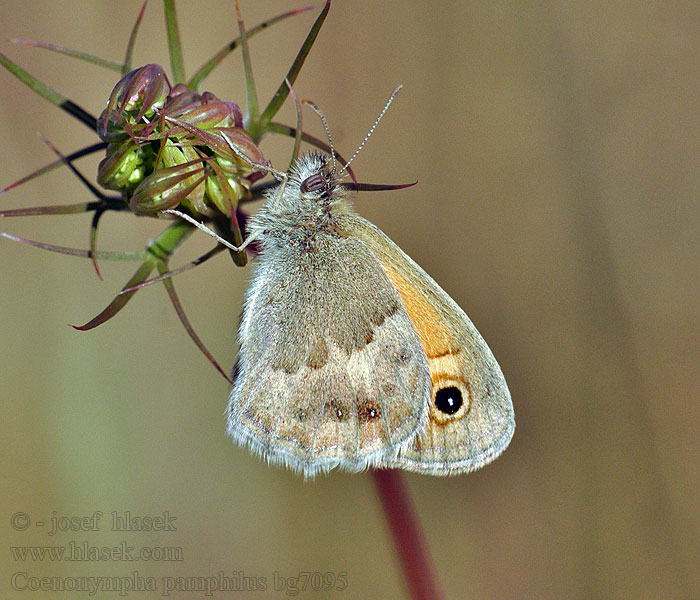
column 137, row 95
column 180, row 98
column 202, row 116
column 231, row 145
column 236, row 144
column 182, row 101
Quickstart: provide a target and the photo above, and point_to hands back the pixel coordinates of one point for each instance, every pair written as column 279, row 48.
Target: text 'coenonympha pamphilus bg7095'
column 351, row 355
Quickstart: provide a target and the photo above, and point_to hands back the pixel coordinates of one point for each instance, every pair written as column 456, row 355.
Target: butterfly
column 351, row 355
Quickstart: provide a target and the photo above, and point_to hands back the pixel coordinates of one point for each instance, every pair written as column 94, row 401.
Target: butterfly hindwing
column 470, row 411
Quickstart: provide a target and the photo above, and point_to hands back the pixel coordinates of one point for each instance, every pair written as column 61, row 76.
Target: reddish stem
column 408, row 535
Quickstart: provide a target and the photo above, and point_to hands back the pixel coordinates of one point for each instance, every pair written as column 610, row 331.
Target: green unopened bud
column 125, row 165
column 233, row 147
column 224, row 193
column 166, row 188
column 173, row 156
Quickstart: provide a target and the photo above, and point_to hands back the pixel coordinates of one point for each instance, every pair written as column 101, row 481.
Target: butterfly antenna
column 321, row 116
column 374, row 126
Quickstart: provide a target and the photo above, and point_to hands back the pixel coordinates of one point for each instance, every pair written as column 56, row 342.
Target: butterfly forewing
column 331, row 371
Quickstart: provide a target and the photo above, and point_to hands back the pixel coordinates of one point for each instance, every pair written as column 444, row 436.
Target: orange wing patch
column 436, row 339
column 440, row 344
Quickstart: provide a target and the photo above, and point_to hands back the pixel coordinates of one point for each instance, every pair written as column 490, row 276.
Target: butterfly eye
column 314, row 183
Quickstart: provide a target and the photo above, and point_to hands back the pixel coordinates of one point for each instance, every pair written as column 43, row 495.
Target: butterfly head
column 314, row 178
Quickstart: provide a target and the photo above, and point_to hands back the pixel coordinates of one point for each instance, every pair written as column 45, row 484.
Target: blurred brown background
column 557, row 152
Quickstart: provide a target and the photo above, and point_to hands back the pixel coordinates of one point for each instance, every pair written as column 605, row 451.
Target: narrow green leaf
column 190, row 265
column 157, row 253
column 48, row 93
column 126, row 67
column 283, row 90
column 63, row 209
column 58, row 163
column 211, row 64
column 168, row 241
column 102, row 255
column 170, row 287
column 299, row 127
column 177, row 62
column 93, row 240
column 248, row 70
column 40, row 88
column 91, row 58
column 120, row 300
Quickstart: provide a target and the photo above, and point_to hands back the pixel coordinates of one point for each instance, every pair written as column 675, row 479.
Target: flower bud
column 166, row 188
column 125, row 165
column 137, row 95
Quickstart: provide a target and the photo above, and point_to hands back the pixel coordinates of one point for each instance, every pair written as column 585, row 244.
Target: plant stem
column 408, row 535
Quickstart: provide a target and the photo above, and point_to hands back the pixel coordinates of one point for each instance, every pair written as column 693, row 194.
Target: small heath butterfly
column 351, row 355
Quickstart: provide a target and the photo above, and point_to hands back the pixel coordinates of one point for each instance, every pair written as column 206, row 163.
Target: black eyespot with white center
column 448, row 400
